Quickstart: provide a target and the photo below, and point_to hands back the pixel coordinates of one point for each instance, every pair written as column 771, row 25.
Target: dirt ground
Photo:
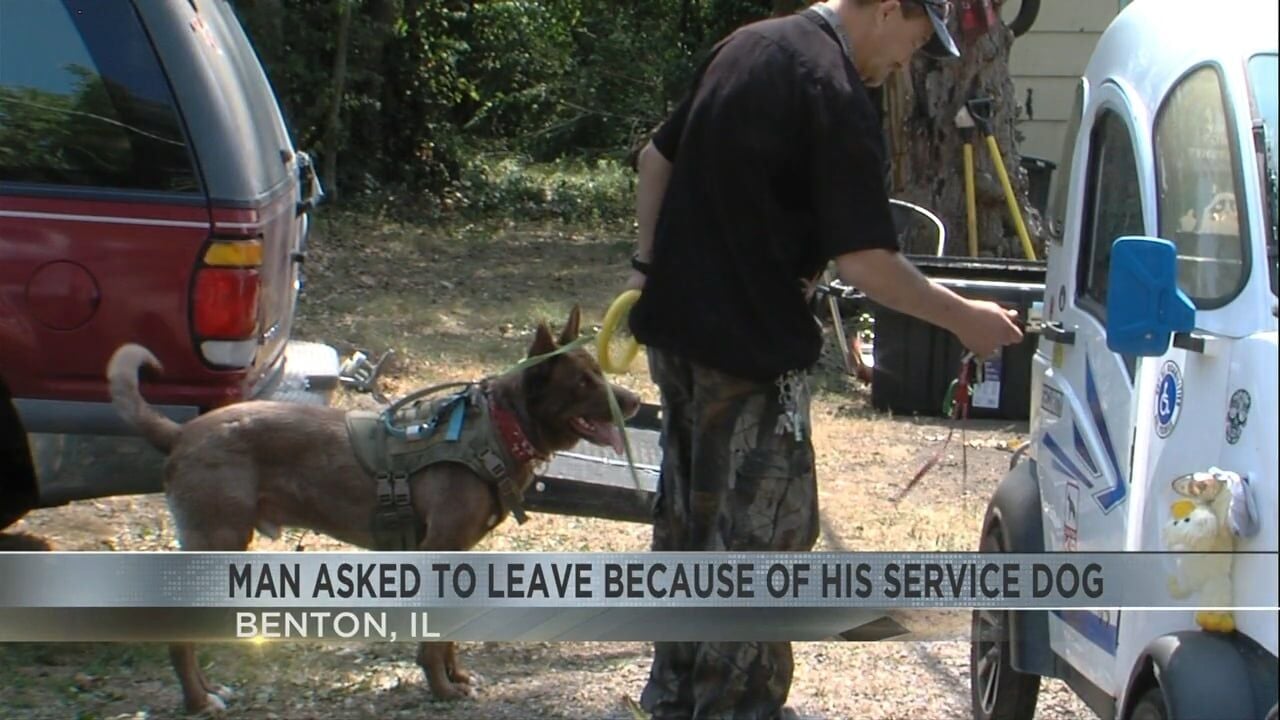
column 458, row 304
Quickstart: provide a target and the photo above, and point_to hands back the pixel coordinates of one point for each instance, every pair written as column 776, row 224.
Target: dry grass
column 458, row 304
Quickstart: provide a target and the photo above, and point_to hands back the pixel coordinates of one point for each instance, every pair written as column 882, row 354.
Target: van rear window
column 84, row 102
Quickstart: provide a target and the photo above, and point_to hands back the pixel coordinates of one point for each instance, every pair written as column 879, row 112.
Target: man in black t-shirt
column 770, row 168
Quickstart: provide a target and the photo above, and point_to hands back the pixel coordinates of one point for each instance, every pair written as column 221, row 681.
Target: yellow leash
column 613, row 319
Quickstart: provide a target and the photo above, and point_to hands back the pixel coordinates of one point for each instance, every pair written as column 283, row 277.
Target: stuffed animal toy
column 1216, row 507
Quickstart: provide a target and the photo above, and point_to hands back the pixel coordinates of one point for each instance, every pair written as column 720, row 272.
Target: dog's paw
column 222, row 692
column 454, row 691
column 465, row 677
column 213, row 707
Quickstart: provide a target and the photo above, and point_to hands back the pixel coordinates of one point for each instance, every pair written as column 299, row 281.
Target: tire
column 17, row 475
column 1028, row 11
column 1150, row 706
column 9, row 516
column 996, row 690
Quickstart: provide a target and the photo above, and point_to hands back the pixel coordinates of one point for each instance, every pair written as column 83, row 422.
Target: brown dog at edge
column 263, row 466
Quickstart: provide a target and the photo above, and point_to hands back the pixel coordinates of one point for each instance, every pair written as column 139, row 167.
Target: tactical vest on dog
column 459, row 428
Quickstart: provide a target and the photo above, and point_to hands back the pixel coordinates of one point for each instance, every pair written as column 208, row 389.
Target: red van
column 150, row 193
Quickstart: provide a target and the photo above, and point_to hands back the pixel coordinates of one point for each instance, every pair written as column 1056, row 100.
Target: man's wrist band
column 640, row 265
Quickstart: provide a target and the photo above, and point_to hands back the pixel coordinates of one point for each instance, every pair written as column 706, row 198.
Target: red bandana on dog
column 508, row 426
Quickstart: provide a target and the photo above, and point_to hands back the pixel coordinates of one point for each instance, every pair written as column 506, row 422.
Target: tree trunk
column 372, row 59
column 927, row 147
column 264, row 19
column 333, row 127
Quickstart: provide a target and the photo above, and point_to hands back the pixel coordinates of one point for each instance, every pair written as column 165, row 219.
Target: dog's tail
column 122, row 374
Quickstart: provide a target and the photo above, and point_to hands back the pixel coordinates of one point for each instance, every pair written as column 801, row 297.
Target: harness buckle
column 400, row 488
column 512, row 500
column 510, row 497
column 494, row 464
column 384, row 488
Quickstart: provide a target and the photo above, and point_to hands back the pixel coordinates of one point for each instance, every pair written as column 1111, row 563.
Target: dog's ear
column 543, row 343
column 570, row 331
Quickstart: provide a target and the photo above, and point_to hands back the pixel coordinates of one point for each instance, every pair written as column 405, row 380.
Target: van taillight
column 225, row 303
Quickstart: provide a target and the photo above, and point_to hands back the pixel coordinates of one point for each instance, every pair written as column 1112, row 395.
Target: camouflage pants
column 729, row 482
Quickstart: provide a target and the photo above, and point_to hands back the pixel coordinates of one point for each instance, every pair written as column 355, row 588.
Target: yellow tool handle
column 1010, row 199
column 970, row 201
column 612, row 320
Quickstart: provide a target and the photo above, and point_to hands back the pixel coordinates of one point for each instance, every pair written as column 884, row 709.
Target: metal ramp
column 593, row 481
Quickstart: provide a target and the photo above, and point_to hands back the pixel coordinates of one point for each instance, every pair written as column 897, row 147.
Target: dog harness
column 468, row 428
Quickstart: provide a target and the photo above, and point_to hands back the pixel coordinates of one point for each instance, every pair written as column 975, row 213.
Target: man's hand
column 635, row 281
column 985, row 327
column 889, row 279
column 809, row 287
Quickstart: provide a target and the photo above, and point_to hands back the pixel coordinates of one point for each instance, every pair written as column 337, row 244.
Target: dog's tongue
column 613, row 438
column 600, row 433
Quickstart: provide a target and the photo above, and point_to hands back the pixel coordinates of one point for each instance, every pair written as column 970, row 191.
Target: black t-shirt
column 778, row 160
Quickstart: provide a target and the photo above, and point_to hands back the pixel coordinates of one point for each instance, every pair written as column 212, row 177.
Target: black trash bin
column 915, row 362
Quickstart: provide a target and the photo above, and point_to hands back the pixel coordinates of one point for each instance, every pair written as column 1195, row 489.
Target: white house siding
column 1049, row 59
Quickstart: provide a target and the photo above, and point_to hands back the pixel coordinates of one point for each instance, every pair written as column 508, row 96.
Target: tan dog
column 265, row 465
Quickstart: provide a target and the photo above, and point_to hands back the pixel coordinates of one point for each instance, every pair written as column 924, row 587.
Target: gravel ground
column 472, row 315
column 881, row 681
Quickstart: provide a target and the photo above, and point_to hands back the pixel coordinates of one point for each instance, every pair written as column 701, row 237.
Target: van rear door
column 248, row 160
column 102, row 205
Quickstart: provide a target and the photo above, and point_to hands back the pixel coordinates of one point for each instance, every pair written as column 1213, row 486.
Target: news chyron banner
column 176, row 596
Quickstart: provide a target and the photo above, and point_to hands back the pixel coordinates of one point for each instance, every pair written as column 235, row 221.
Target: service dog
column 263, row 466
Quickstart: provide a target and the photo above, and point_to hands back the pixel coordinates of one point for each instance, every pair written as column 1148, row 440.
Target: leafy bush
column 461, row 100
column 602, row 190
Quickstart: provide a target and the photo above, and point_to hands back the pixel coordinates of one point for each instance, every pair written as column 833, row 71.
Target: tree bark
column 333, row 126
column 927, row 147
column 383, row 16
column 264, row 19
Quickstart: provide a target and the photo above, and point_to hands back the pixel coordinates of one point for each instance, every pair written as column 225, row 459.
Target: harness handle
column 388, row 415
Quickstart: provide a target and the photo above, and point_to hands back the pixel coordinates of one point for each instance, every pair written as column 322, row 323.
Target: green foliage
column 520, row 57
column 564, row 190
column 435, row 86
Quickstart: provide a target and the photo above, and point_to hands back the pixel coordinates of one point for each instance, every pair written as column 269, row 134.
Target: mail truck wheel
column 9, row 516
column 997, row 691
column 1151, row 706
